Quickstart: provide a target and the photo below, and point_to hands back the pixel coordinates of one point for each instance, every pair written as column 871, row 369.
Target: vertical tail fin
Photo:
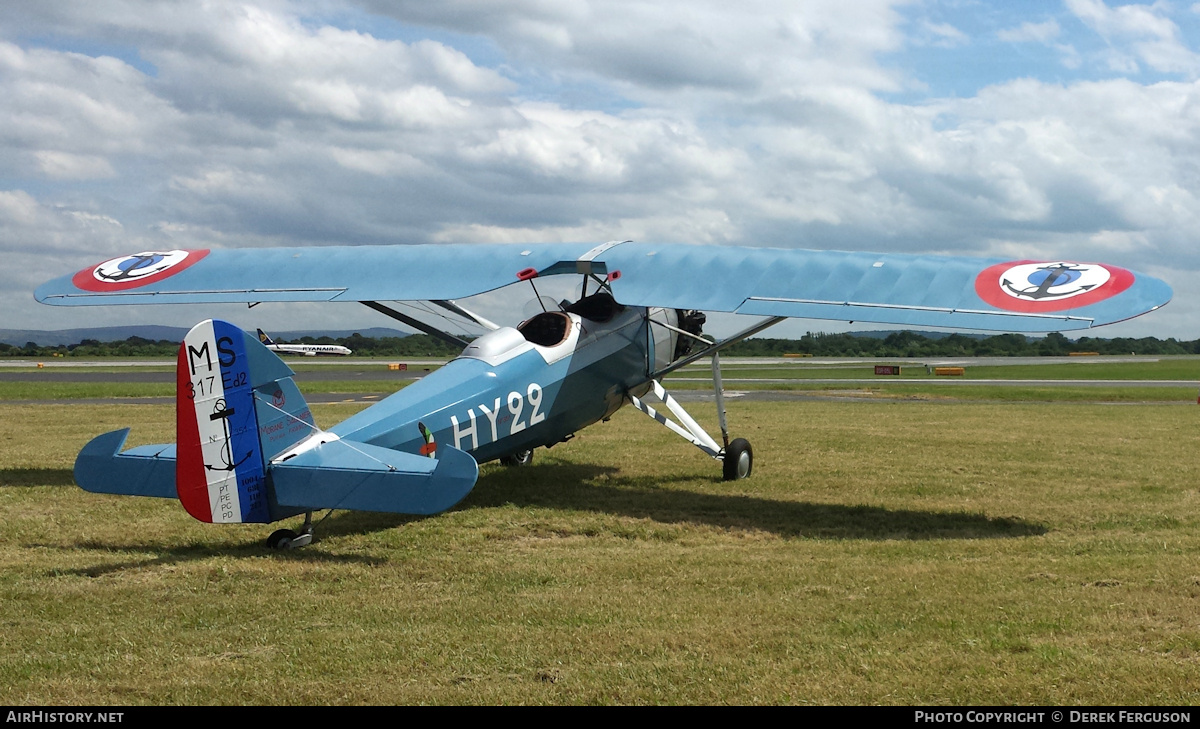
column 262, row 337
column 236, row 408
column 248, row 450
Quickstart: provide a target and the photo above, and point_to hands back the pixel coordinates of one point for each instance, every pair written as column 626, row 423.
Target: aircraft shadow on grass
column 29, row 477
column 188, row 553
column 582, row 487
column 574, row 487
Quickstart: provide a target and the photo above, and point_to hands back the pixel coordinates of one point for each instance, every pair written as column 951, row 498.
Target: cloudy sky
column 1036, row 129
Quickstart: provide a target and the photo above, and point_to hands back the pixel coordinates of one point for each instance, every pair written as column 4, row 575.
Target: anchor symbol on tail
column 220, row 412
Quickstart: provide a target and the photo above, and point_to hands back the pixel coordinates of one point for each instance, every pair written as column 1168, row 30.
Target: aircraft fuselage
column 506, row 394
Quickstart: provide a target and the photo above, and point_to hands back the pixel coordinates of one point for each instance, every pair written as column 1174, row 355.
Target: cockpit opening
column 546, row 329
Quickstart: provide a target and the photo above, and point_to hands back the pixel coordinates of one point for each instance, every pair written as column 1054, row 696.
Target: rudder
column 236, row 408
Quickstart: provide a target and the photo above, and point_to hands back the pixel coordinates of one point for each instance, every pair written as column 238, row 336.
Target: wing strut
column 465, row 313
column 719, row 392
column 712, row 349
column 416, row 323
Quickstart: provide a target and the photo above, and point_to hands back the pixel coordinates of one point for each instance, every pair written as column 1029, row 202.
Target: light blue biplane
column 247, row 449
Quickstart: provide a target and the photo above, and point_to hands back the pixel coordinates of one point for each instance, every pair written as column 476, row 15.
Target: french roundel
column 1037, row 286
column 139, row 269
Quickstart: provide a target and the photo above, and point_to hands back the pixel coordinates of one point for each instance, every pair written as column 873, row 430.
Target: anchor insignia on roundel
column 1047, row 286
column 139, row 269
column 137, row 266
column 1053, row 280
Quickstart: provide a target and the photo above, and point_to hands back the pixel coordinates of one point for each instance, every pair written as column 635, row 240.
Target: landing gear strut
column 737, row 457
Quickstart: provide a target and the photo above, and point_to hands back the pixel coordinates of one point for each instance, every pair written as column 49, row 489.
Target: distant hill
column 18, row 337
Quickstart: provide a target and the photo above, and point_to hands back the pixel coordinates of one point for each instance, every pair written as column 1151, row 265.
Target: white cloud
column 1043, row 32
column 654, row 48
column 944, row 35
column 64, row 115
column 1152, row 37
column 770, row 124
column 67, row 166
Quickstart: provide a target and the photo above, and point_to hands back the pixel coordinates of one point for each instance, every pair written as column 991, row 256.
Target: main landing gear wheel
column 739, row 460
column 520, row 458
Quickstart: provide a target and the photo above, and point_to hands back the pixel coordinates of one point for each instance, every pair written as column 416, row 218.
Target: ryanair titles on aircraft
column 514, row 420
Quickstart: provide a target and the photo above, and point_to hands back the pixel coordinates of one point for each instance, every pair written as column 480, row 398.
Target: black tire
column 520, row 458
column 739, row 460
column 280, row 539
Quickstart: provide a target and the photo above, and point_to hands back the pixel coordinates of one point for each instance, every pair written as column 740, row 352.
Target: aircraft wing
column 899, row 289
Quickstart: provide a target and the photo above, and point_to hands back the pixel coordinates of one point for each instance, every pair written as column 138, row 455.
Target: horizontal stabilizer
column 143, row 471
column 344, row 474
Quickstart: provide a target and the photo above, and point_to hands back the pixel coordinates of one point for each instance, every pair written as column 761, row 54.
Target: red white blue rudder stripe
column 219, row 472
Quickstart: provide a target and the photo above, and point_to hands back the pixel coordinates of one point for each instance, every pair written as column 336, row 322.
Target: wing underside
column 907, row 290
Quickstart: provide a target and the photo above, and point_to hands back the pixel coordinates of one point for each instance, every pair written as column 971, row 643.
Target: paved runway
column 86, row 371
column 80, row 375
column 305, row 362
column 941, row 382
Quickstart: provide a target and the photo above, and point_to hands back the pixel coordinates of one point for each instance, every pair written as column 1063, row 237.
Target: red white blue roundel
column 1037, row 286
column 139, row 269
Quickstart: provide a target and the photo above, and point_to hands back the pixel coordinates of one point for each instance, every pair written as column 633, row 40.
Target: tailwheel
column 288, row 539
column 520, row 458
column 738, row 460
column 281, row 539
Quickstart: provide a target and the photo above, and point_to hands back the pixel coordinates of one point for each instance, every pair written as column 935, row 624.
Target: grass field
column 895, row 552
column 794, row 376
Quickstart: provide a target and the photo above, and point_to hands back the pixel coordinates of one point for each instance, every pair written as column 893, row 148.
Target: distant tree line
column 911, row 345
column 417, row 345
column 908, row 345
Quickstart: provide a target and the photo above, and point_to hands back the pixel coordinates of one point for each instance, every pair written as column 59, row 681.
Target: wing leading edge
column 899, row 289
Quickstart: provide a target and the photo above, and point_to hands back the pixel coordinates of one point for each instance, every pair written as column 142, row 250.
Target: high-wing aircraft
column 247, row 449
column 308, row 350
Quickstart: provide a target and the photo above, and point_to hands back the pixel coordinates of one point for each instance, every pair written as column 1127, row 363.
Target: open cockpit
column 548, row 329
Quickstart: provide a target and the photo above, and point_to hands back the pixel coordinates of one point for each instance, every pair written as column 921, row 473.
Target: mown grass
column 1175, row 368
column 1019, row 393
column 794, row 374
column 883, row 552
